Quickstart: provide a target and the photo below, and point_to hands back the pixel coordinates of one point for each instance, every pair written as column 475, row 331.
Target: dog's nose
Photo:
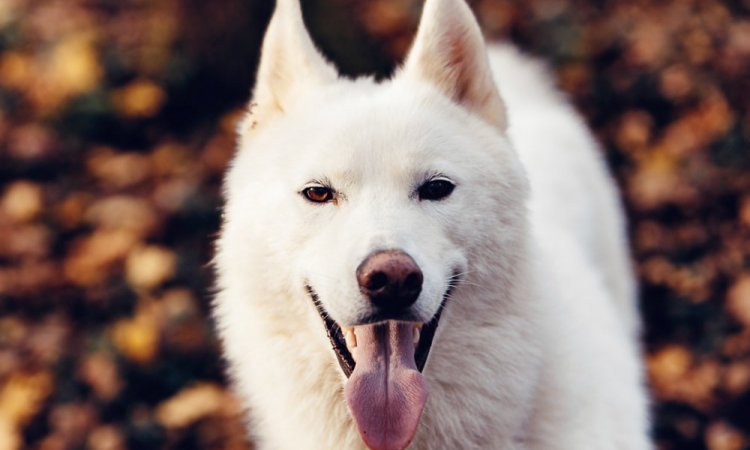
column 390, row 279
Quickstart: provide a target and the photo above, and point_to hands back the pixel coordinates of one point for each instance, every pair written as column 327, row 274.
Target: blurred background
column 116, row 124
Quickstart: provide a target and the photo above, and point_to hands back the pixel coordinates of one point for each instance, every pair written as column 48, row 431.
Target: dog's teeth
column 417, row 331
column 350, row 337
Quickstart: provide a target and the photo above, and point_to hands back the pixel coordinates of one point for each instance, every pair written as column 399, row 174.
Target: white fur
column 537, row 347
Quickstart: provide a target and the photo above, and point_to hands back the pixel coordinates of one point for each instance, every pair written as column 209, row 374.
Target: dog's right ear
column 289, row 64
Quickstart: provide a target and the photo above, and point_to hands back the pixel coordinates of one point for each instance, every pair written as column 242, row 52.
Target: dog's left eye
column 436, row 189
column 318, row 194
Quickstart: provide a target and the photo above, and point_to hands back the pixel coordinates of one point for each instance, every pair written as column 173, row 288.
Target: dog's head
column 377, row 199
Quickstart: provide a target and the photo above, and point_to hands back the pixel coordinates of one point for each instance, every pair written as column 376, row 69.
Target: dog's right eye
column 318, row 194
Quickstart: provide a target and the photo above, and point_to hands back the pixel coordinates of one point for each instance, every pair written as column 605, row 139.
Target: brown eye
column 318, row 194
column 437, row 189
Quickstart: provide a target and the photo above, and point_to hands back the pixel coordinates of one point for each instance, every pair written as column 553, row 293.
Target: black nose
column 390, row 279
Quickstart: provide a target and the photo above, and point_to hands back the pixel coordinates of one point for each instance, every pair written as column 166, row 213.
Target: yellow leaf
column 74, row 65
column 137, row 339
column 15, row 70
column 23, row 395
column 141, row 98
column 148, row 267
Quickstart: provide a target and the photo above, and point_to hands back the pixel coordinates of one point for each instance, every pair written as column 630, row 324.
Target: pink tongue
column 386, row 392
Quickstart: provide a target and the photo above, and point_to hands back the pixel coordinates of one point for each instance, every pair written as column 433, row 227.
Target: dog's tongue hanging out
column 386, row 392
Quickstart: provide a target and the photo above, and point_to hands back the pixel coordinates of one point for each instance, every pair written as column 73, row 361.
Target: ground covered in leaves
column 116, row 123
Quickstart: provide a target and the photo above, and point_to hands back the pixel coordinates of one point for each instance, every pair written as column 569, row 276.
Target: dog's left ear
column 289, row 65
column 449, row 52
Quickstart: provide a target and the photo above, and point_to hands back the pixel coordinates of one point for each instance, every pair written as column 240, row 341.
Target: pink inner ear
column 449, row 53
column 458, row 61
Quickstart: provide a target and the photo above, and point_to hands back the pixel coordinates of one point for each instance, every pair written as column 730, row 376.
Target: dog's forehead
column 378, row 123
column 360, row 133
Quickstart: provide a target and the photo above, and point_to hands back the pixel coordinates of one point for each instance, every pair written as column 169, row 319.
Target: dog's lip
column 333, row 330
column 338, row 340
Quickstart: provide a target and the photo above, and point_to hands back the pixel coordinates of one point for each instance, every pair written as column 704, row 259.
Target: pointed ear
column 449, row 52
column 289, row 64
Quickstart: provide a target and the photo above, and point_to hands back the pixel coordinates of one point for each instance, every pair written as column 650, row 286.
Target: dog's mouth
column 344, row 340
column 383, row 361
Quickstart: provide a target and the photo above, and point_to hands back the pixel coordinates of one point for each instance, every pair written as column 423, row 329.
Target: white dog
column 435, row 262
